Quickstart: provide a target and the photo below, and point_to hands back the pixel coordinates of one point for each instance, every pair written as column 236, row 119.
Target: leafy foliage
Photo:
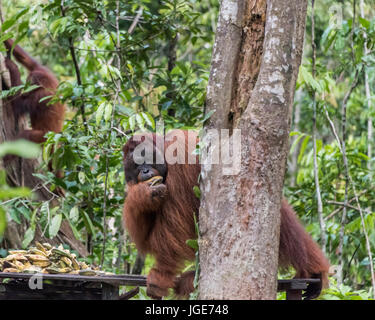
column 340, row 53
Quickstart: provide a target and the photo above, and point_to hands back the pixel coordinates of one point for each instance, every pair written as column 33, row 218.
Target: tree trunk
column 255, row 64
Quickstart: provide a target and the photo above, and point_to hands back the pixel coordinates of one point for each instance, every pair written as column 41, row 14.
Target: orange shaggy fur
column 160, row 219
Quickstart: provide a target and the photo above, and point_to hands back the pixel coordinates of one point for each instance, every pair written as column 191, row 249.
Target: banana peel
column 44, row 258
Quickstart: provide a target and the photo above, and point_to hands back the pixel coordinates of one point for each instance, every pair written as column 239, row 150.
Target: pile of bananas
column 43, row 258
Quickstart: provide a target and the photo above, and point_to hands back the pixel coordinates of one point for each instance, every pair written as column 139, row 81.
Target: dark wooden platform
column 77, row 287
column 295, row 287
column 67, row 286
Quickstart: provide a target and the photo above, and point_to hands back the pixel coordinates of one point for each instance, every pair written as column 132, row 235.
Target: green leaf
column 176, row 70
column 25, row 211
column 149, row 119
column 77, row 235
column 3, row 177
column 15, row 215
column 33, row 218
column 303, row 148
column 140, row 121
column 108, row 111
column 23, row 27
column 197, row 192
column 21, row 148
column 99, row 113
column 81, row 177
column 54, row 226
column 193, row 243
column 365, row 23
column 309, row 80
column 88, row 224
column 125, row 124
column 319, row 145
column 72, row 225
column 29, row 88
column 8, row 193
column 354, row 225
column 329, row 35
column 58, row 25
column 296, row 141
column 5, row 36
column 8, row 24
column 29, row 236
column 294, row 133
column 46, row 152
column 126, row 110
column 127, row 95
column 132, row 123
column 3, row 221
column 74, row 214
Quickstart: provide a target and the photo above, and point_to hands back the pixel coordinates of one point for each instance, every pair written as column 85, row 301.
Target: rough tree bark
column 255, row 64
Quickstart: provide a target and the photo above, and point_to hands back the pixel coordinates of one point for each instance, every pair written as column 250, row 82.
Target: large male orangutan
column 159, row 215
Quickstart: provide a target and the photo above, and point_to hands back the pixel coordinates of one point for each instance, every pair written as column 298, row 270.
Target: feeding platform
column 26, row 286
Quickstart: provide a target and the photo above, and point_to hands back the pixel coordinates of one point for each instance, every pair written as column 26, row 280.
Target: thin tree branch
column 135, row 21
column 343, row 204
column 333, row 213
column 125, row 134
